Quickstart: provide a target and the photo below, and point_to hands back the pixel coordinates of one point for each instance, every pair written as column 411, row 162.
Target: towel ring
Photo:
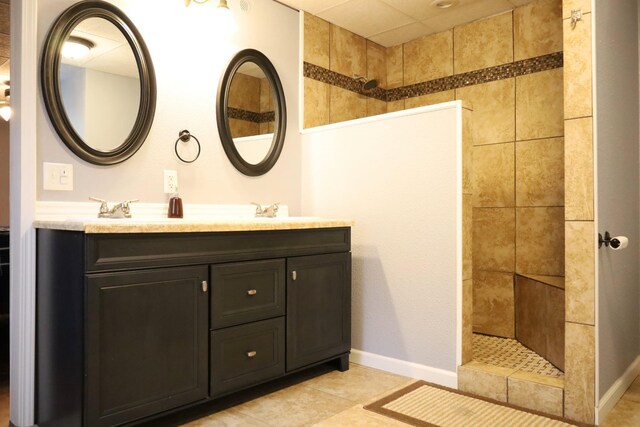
column 185, row 136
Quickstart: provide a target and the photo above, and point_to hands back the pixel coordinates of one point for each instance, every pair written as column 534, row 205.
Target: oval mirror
column 251, row 113
column 98, row 82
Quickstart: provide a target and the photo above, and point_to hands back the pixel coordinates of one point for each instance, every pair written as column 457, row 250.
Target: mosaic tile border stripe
column 486, row 75
column 251, row 116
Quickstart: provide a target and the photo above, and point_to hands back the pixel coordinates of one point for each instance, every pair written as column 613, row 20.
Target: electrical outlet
column 57, row 176
column 170, row 181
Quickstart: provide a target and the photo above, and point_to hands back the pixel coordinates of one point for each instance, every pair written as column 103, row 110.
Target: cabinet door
column 318, row 308
column 147, row 343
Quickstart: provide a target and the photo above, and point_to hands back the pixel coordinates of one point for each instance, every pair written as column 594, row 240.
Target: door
column 147, row 343
column 616, row 127
column 318, row 308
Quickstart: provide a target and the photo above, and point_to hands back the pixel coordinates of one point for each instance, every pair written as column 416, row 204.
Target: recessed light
column 443, row 4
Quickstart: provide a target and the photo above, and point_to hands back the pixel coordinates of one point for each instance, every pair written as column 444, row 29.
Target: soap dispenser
column 175, row 207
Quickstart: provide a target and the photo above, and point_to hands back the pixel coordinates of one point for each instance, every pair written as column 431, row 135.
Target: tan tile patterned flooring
column 337, row 399
column 509, row 353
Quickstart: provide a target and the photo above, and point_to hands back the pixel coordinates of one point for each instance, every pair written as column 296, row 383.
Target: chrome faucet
column 119, row 210
column 268, row 212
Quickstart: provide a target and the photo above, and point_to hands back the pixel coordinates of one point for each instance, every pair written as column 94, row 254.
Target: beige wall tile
column 377, row 63
column 537, row 29
column 539, row 105
column 482, row 44
column 530, row 312
column 316, row 40
column 316, row 103
column 348, row 52
column 430, row 99
column 429, row 57
column 395, row 106
column 577, row 69
column 540, row 241
column 569, row 5
column 494, row 239
column 535, row 396
column 346, row 105
column 493, row 175
column 244, row 93
column 395, row 67
column 578, row 169
column 493, row 304
column 579, row 376
column 540, row 172
column 240, row 128
column 555, row 326
column 375, row 107
column 467, row 151
column 493, row 110
column 484, row 380
column 467, row 237
column 467, row 321
column 580, row 272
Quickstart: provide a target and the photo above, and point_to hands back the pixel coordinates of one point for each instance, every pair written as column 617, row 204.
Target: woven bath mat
column 425, row 404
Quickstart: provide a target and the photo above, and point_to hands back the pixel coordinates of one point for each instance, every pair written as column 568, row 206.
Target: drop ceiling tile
column 366, row 17
column 424, row 9
column 470, row 12
column 312, row 6
column 401, row 35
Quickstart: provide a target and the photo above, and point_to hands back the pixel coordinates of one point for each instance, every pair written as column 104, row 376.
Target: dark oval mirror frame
column 258, row 58
column 49, row 73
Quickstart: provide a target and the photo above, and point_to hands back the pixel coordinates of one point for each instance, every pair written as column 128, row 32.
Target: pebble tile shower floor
column 509, row 353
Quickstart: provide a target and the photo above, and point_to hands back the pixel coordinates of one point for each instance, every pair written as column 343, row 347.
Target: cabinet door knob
column 252, row 292
column 205, row 286
column 252, row 353
column 294, row 275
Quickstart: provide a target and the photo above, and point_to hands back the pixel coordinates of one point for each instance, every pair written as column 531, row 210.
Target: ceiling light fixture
column 223, row 16
column 443, row 4
column 5, row 107
column 76, row 47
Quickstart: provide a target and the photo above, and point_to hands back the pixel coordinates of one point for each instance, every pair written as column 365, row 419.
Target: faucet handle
column 258, row 208
column 103, row 204
column 125, row 206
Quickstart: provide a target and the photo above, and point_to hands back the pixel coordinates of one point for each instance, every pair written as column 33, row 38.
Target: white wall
column 112, row 103
column 398, row 176
column 189, row 58
column 4, row 173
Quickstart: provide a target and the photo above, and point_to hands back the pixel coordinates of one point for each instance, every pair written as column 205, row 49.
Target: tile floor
column 337, row 399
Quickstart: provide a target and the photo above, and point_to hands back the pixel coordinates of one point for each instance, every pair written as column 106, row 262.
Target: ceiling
column 392, row 22
column 111, row 53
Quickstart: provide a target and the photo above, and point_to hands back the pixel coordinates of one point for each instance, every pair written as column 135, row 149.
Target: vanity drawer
column 245, row 292
column 247, row 354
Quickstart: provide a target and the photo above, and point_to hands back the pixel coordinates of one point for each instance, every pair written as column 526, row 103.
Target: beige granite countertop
column 165, row 225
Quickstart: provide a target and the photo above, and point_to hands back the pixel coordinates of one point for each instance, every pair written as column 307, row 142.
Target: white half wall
column 398, row 175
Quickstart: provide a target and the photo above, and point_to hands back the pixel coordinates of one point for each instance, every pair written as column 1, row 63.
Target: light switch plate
column 57, row 176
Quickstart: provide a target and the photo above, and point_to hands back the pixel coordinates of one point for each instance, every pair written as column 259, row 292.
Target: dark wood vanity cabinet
column 135, row 325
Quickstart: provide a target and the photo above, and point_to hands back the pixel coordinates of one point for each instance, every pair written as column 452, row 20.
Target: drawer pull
column 205, row 286
column 252, row 292
column 251, row 353
column 294, row 275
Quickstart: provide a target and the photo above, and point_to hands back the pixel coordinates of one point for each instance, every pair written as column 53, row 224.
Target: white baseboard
column 409, row 369
column 616, row 390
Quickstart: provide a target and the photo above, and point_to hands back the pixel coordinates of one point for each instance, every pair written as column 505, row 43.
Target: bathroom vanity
column 138, row 319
